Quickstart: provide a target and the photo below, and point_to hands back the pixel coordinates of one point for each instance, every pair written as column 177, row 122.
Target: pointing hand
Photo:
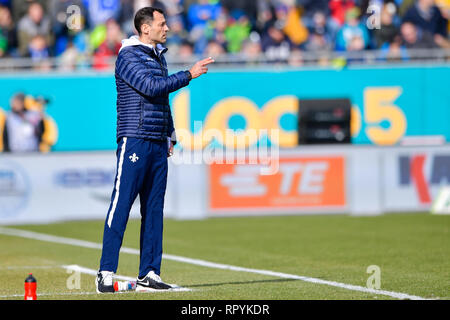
column 200, row 67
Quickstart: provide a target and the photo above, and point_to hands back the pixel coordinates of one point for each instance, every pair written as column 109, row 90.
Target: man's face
column 17, row 104
column 36, row 12
column 409, row 32
column 157, row 30
column 427, row 3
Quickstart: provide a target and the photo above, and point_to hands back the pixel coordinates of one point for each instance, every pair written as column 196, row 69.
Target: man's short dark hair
column 145, row 15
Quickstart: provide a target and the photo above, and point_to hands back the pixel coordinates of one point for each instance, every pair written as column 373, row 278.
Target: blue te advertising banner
column 388, row 104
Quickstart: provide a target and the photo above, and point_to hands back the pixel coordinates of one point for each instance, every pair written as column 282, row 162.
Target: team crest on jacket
column 134, row 158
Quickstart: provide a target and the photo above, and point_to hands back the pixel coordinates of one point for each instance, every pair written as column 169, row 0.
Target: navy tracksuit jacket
column 144, row 124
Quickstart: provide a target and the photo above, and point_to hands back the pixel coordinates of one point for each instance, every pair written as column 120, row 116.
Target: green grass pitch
column 411, row 250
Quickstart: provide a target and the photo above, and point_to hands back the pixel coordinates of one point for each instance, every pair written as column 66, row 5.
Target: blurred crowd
column 279, row 30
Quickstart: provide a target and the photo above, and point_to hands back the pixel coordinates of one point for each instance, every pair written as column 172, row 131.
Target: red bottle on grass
column 30, row 288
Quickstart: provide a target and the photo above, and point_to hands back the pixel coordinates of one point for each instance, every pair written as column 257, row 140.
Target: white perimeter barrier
column 359, row 180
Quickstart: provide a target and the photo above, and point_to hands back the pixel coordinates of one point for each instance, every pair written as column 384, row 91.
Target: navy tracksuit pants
column 141, row 170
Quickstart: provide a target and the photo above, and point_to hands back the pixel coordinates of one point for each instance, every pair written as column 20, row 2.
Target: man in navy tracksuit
column 145, row 137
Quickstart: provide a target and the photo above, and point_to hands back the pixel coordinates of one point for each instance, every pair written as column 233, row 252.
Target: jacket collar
column 134, row 41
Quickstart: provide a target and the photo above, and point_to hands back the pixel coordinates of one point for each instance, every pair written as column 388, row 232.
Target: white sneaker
column 104, row 282
column 151, row 282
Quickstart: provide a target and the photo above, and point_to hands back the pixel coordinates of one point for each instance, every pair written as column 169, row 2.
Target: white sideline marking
column 29, row 267
column 204, row 263
column 92, row 272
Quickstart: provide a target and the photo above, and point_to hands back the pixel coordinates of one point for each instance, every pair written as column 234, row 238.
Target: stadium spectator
column 33, row 24
column 185, row 51
column 275, row 44
column 79, row 38
column 218, row 32
column 200, row 15
column 172, row 7
column 185, row 5
column 201, row 12
column 38, row 48
column 251, row 48
column 318, row 41
column 109, row 47
column 427, row 16
column 371, row 9
column 249, row 7
column 266, row 16
column 294, row 28
column 69, row 58
column 77, row 48
column 38, row 51
column 388, row 30
column 237, row 31
column 311, row 7
column 59, row 13
column 100, row 11
column 353, row 36
column 23, row 128
column 321, row 33
column 8, row 39
column 295, row 58
column 339, row 8
column 414, row 38
column 394, row 50
column 19, row 8
column 318, row 25
column 444, row 6
column 160, row 4
column 125, row 18
column 3, row 45
column 214, row 49
column 404, row 6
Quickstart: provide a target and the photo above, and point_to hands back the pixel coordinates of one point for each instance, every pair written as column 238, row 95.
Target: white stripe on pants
column 119, row 174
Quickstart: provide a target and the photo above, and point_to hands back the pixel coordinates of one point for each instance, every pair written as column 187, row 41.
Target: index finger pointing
column 207, row 61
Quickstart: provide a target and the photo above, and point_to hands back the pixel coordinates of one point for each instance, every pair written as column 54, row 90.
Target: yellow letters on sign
column 220, row 114
column 272, row 113
column 216, row 121
column 355, row 121
column 379, row 106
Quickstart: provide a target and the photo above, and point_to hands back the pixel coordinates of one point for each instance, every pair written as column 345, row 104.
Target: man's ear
column 145, row 28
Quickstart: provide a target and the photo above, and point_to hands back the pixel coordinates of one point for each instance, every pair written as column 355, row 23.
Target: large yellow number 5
column 379, row 106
